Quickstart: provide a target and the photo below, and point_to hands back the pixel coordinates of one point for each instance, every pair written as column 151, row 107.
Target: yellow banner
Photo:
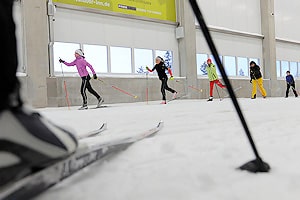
column 155, row 9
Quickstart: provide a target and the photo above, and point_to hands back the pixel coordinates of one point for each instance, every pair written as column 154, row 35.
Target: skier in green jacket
column 213, row 78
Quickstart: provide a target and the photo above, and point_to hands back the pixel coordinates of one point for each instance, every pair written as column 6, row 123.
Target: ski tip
column 104, row 126
column 160, row 124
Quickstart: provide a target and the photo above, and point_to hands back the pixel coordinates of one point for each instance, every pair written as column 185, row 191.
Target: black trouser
column 164, row 87
column 288, row 89
column 85, row 84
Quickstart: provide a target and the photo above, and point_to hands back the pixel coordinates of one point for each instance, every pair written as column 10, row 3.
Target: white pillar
column 36, row 40
column 187, row 44
column 269, row 45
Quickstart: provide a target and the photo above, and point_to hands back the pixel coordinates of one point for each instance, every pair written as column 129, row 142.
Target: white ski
column 94, row 133
column 88, row 152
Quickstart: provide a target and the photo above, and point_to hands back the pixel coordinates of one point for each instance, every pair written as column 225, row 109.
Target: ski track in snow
column 193, row 157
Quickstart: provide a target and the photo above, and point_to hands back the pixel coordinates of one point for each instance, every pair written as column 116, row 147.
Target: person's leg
column 287, row 90
column 168, row 88
column 294, row 89
column 211, row 88
column 261, row 87
column 162, row 89
column 254, row 87
column 83, row 91
column 220, row 84
column 91, row 90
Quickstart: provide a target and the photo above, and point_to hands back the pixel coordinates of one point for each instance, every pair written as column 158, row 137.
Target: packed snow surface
column 196, row 154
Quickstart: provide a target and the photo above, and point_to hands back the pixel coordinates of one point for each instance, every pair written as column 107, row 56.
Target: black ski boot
column 210, row 99
column 29, row 142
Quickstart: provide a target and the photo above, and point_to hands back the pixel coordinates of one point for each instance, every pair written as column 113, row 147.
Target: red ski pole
column 199, row 90
column 119, row 89
column 147, row 89
column 65, row 87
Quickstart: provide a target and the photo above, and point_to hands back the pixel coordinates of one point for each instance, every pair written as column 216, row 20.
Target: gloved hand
column 95, row 76
column 61, row 61
column 251, row 81
column 147, row 68
column 171, row 78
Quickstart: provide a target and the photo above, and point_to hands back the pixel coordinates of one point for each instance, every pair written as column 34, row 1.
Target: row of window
column 282, row 66
column 234, row 66
column 239, row 66
column 110, row 59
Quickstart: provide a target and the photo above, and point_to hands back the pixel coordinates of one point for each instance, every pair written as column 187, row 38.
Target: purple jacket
column 81, row 65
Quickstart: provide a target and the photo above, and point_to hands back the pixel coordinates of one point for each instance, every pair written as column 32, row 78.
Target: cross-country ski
column 86, row 154
column 94, row 133
column 86, row 84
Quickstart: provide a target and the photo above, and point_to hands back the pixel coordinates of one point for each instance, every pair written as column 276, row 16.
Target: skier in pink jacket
column 81, row 65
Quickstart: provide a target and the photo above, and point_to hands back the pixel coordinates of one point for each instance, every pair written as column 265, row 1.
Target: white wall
column 231, row 45
column 287, row 17
column 236, row 27
column 92, row 28
column 240, row 15
column 287, row 27
column 289, row 52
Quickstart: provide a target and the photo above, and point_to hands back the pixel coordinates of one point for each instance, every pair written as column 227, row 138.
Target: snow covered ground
column 194, row 156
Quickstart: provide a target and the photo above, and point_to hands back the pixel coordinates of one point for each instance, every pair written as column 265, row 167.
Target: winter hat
column 79, row 52
column 208, row 60
column 252, row 62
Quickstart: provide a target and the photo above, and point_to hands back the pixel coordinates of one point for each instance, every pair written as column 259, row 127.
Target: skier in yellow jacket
column 256, row 79
column 213, row 78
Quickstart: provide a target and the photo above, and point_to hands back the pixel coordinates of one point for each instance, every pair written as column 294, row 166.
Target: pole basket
column 256, row 166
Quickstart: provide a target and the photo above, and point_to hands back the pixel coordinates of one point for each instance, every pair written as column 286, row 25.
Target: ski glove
column 150, row 70
column 95, row 76
column 61, row 61
column 171, row 78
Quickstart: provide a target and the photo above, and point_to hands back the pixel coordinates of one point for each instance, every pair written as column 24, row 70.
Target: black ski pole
column 257, row 165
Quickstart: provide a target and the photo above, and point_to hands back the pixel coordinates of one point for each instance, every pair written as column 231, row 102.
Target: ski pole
column 257, row 165
column 192, row 87
column 147, row 89
column 119, row 89
column 65, row 87
column 218, row 92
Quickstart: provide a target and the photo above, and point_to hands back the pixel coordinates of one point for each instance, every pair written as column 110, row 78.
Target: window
column 18, row 19
column 64, row 51
column 214, row 62
column 293, row 68
column 234, row 66
column 256, row 60
column 97, row 56
column 167, row 56
column 230, row 65
column 284, row 68
column 278, row 68
column 298, row 75
column 242, row 64
column 143, row 58
column 120, row 59
column 201, row 64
